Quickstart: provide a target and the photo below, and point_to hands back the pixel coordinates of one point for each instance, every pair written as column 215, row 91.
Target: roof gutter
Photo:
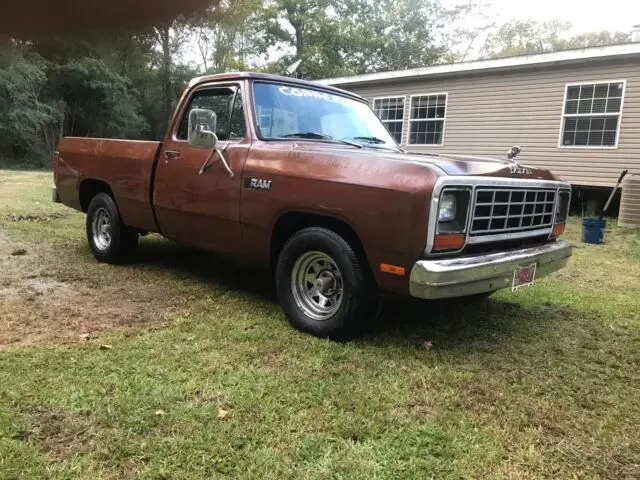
column 510, row 63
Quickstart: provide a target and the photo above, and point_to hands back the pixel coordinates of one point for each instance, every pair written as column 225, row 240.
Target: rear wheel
column 322, row 284
column 110, row 240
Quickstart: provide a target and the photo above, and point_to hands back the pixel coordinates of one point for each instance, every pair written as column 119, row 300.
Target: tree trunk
column 298, row 27
column 165, row 74
column 299, row 40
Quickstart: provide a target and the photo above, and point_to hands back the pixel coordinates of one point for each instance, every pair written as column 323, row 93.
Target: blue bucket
column 593, row 230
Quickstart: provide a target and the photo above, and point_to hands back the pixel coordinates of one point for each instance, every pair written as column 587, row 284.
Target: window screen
column 426, row 124
column 391, row 112
column 591, row 115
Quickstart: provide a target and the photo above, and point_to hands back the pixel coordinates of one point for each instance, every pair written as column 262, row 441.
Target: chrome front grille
column 510, row 210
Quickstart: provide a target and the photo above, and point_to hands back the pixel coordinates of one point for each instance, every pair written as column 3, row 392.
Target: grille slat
column 510, row 210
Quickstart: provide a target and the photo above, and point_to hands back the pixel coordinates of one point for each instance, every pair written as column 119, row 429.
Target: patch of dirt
column 35, row 218
column 482, row 398
column 62, row 434
column 38, row 306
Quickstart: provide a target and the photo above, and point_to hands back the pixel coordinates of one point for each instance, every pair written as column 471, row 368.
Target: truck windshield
column 284, row 111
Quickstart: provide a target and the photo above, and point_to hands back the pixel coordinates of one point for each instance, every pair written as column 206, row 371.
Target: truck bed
column 125, row 166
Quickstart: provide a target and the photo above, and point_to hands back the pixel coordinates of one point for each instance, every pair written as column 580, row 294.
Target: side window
column 219, row 101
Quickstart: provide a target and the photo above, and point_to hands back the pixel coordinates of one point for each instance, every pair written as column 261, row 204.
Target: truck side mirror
column 202, row 128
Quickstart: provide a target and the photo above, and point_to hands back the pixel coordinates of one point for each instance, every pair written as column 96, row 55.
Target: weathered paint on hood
column 443, row 164
column 484, row 166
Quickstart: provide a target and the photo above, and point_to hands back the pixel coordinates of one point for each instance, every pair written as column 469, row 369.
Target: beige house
column 576, row 112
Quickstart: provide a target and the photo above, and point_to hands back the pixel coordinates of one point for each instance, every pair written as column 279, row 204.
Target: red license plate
column 523, row 276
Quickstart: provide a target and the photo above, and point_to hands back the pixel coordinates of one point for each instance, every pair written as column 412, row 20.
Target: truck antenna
column 291, row 69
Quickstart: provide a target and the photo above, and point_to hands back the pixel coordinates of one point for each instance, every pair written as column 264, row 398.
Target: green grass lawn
column 183, row 366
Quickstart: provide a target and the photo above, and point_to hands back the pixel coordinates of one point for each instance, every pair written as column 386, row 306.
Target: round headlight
column 447, row 211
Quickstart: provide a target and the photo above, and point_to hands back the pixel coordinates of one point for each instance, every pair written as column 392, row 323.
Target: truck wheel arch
column 91, row 187
column 291, row 222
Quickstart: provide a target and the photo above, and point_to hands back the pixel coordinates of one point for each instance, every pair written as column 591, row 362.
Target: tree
column 597, row 39
column 523, row 37
column 98, row 101
column 169, row 39
column 304, row 31
column 391, row 34
column 28, row 126
column 226, row 36
column 466, row 24
column 356, row 36
column 114, row 84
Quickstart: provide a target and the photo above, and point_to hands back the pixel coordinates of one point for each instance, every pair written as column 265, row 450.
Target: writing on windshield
column 284, row 111
column 303, row 92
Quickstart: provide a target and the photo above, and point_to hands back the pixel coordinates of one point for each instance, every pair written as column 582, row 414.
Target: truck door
column 204, row 210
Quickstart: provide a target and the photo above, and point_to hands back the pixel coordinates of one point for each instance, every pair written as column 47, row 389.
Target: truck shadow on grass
column 206, row 268
column 401, row 320
column 455, row 322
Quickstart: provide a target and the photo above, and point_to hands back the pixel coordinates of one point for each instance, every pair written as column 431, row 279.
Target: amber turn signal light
column 558, row 229
column 392, row 269
column 449, row 241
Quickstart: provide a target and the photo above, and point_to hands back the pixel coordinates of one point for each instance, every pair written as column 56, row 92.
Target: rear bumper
column 458, row 277
column 55, row 198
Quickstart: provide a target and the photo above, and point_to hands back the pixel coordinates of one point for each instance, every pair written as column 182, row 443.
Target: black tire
column 359, row 293
column 122, row 240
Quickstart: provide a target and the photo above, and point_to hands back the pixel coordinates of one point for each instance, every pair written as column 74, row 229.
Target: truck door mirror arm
column 207, row 162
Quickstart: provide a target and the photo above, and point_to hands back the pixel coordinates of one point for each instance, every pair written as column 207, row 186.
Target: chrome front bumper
column 458, row 277
column 55, row 198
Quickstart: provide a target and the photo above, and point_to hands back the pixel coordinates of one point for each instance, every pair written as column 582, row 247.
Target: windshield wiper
column 321, row 136
column 376, row 141
column 370, row 139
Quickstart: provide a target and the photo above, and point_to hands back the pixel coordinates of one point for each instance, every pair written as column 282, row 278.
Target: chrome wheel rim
column 316, row 282
column 102, row 229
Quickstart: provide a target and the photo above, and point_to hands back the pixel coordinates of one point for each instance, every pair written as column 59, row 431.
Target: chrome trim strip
column 509, row 236
column 472, row 183
column 461, row 276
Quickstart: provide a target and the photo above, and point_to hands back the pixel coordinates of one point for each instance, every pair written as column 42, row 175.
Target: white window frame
column 563, row 115
column 404, row 113
column 444, row 123
column 261, row 116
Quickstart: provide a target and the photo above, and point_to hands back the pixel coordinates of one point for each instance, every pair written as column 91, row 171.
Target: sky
column 585, row 15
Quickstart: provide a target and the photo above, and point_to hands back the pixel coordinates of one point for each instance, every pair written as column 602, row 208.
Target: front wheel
column 322, row 284
column 110, row 240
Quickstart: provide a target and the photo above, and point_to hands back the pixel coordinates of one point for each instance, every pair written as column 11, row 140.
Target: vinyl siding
column 489, row 112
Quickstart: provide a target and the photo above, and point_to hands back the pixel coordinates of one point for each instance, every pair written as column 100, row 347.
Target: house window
column 592, row 114
column 391, row 111
column 426, row 124
column 265, row 118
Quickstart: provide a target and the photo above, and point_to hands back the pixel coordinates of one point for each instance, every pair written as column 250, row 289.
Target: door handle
column 171, row 154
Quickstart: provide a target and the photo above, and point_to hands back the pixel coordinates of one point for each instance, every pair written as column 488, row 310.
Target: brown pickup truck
column 305, row 179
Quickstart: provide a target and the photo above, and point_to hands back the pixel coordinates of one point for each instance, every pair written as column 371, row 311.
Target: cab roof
column 271, row 78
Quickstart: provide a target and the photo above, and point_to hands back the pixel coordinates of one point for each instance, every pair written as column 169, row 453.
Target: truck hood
column 441, row 164
column 452, row 164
